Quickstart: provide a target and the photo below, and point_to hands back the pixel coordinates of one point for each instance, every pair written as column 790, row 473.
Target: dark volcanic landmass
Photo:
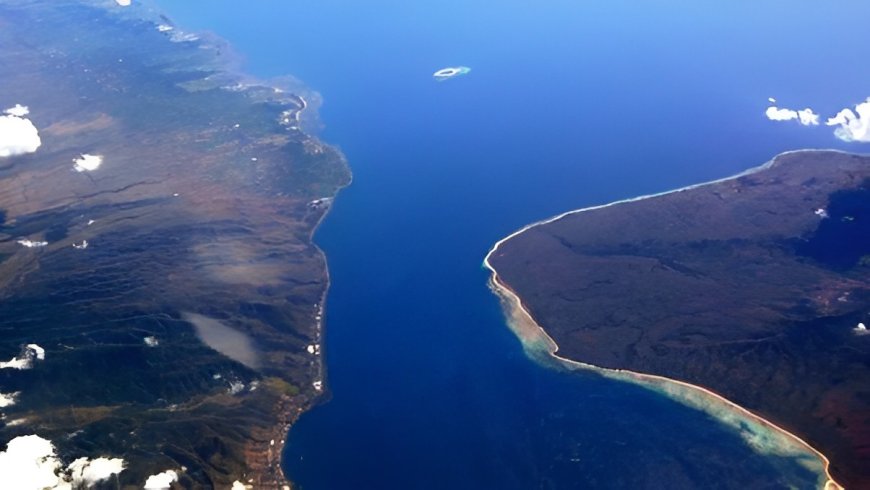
column 753, row 287
column 185, row 334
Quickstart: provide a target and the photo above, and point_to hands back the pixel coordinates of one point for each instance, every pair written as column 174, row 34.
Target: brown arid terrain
column 755, row 287
column 157, row 244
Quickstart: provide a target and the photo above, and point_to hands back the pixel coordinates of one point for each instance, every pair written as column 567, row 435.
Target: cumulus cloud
column 25, row 360
column 861, row 329
column 123, row 3
column 39, row 351
column 30, row 462
column 18, row 135
column 8, row 399
column 776, row 114
column 89, row 472
column 18, row 111
column 805, row 116
column 87, row 162
column 161, row 481
column 237, row 485
column 808, row 118
column 853, row 126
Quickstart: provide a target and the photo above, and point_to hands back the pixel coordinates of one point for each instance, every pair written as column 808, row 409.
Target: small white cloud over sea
column 30, row 462
column 851, row 125
column 124, row 3
column 776, row 114
column 161, row 481
column 18, row 135
column 805, row 116
column 808, row 118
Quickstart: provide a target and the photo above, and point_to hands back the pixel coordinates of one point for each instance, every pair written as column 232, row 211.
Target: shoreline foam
column 762, row 435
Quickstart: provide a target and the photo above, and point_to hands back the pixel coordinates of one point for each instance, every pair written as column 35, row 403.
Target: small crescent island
column 744, row 297
column 450, row 72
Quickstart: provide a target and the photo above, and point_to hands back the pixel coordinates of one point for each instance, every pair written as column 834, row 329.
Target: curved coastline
column 264, row 459
column 222, row 71
column 760, row 433
column 287, row 416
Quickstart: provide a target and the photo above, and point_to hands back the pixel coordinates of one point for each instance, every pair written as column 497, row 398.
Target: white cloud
column 842, row 117
column 853, row 126
column 25, row 361
column 90, row 472
column 161, row 481
column 87, row 163
column 17, row 363
column 861, row 329
column 237, row 485
column 236, row 387
column 8, row 399
column 776, row 114
column 18, row 111
column 151, row 341
column 808, row 118
column 29, row 462
column 39, row 351
column 805, row 116
column 18, row 135
column 123, row 3
column 31, row 243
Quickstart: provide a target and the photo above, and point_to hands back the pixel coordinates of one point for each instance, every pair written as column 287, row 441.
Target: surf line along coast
column 762, row 435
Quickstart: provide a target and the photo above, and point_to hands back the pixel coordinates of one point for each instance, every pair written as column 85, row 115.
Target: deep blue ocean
column 568, row 104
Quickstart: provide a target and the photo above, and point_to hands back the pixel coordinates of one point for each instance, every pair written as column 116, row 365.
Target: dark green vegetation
column 203, row 205
column 742, row 286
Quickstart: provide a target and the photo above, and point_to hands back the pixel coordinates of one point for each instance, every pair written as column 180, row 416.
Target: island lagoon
column 567, row 106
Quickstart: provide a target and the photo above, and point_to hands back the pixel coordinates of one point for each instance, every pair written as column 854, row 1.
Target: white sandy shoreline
column 761, row 434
